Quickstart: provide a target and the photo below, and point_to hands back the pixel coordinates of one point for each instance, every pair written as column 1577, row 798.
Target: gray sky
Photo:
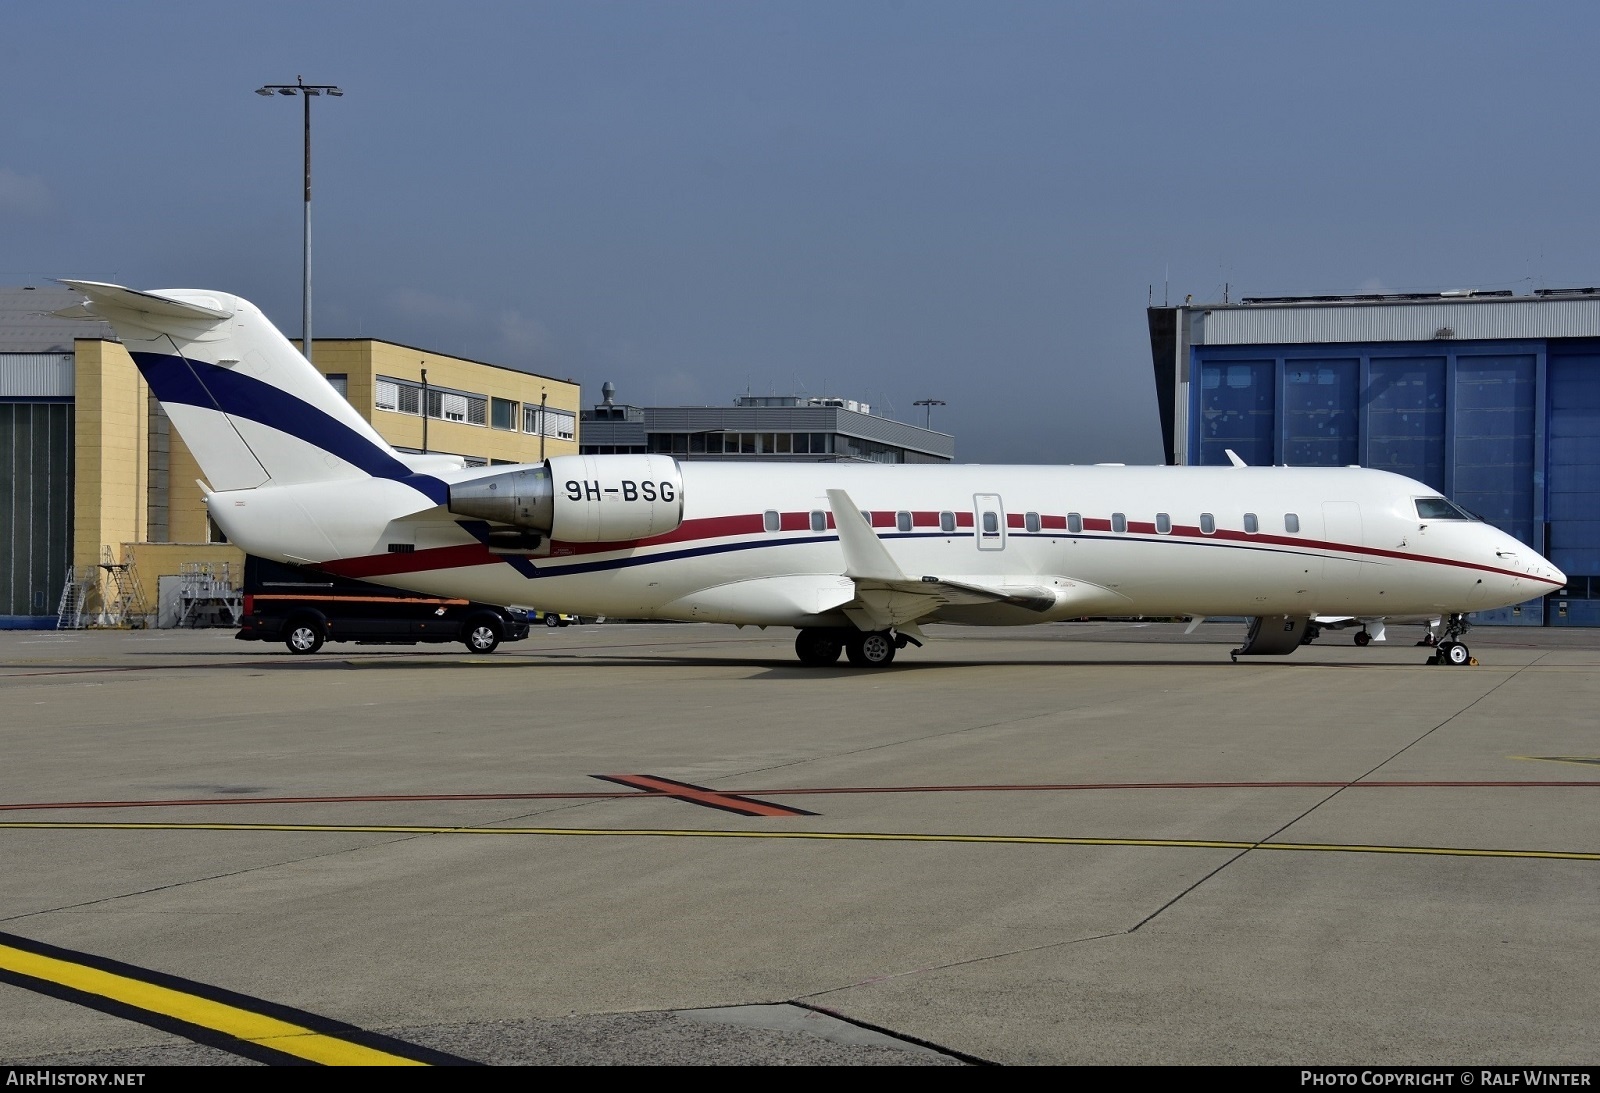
column 887, row 201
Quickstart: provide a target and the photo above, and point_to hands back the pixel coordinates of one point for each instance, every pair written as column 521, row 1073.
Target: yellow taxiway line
column 847, row 836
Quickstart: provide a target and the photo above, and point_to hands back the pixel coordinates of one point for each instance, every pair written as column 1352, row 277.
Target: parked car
column 554, row 618
column 304, row 608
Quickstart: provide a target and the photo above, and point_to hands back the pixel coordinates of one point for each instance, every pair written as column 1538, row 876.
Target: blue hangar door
column 1573, row 473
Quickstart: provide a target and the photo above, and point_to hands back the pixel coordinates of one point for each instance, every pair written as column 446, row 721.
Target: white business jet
column 856, row 557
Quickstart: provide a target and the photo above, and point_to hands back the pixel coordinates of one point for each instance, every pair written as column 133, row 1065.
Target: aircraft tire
column 873, row 649
column 1363, row 638
column 303, row 637
column 818, row 648
column 1454, row 652
column 482, row 636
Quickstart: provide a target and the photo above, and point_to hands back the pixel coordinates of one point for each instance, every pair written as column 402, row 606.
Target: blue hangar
column 1492, row 398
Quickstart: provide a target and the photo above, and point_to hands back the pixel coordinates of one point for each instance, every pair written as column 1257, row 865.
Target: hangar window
column 819, row 520
column 771, row 520
column 1291, row 523
column 902, row 521
column 947, row 521
column 1031, row 521
column 1163, row 524
column 1208, row 523
column 1075, row 523
column 1251, row 524
column 1119, row 523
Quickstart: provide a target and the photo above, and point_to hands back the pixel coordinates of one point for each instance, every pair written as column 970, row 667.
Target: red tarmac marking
column 700, row 795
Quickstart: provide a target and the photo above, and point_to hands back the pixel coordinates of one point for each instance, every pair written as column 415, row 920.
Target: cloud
column 432, row 307
column 524, row 337
column 24, row 195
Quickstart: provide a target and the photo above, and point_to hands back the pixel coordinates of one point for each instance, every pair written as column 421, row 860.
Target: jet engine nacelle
column 580, row 498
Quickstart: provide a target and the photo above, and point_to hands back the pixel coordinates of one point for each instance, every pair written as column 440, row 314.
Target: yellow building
column 94, row 477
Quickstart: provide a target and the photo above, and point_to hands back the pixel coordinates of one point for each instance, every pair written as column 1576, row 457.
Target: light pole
column 305, row 91
column 930, row 403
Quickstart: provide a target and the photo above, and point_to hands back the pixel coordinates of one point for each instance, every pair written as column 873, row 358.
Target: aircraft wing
column 886, row 597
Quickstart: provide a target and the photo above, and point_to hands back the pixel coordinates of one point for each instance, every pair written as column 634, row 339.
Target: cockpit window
column 1437, row 508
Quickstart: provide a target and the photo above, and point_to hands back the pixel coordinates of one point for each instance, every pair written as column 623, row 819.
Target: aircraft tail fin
column 252, row 408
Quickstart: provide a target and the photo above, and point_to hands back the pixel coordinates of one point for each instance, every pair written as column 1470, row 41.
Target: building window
column 1163, row 524
column 1075, row 523
column 1031, row 521
column 902, row 521
column 557, row 423
column 1291, row 523
column 1208, row 523
column 503, row 414
column 340, row 382
column 947, row 522
column 770, row 520
column 819, row 520
column 1251, row 524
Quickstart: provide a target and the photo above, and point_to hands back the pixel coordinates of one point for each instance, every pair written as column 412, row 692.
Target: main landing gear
column 818, row 647
column 1449, row 650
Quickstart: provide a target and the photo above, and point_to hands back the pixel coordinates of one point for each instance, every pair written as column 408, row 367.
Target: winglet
column 1233, row 457
column 865, row 556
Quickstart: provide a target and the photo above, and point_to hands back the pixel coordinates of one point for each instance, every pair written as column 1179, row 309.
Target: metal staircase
column 123, row 598
column 69, row 612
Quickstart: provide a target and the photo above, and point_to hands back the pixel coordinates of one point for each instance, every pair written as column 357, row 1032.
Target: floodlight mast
column 305, row 91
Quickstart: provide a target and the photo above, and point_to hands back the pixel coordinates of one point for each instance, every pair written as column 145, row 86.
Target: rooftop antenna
column 1166, row 287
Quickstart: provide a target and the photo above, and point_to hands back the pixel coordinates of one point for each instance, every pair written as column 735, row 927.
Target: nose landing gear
column 1451, row 651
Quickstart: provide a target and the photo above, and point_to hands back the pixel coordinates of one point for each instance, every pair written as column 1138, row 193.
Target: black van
column 304, row 608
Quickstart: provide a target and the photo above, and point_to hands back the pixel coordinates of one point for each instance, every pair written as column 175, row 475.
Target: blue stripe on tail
column 197, row 383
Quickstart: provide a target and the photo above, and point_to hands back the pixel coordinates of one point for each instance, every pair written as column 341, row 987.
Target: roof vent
column 1444, row 332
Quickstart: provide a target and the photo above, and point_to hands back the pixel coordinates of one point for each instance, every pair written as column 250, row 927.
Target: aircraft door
column 1348, row 580
column 989, row 521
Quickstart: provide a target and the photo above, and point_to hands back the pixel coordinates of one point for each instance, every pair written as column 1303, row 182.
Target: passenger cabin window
column 1208, row 523
column 1119, row 523
column 770, row 520
column 947, row 521
column 1437, row 508
column 1031, row 521
column 1291, row 523
column 902, row 521
column 991, row 524
column 1074, row 523
column 1251, row 524
column 819, row 520
column 1163, row 524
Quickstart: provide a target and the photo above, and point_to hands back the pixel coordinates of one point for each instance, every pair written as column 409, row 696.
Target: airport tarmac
column 1083, row 843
